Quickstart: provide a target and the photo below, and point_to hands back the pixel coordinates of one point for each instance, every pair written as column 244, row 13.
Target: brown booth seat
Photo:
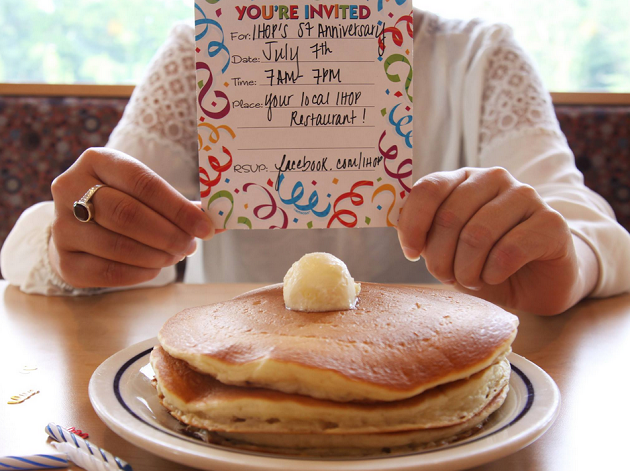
column 40, row 137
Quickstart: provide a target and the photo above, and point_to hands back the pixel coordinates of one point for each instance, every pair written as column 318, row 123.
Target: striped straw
column 106, row 460
column 83, row 459
column 53, row 460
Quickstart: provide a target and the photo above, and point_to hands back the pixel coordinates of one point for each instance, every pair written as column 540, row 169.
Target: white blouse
column 479, row 103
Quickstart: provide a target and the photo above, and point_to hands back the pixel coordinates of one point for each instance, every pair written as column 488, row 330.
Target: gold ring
column 83, row 209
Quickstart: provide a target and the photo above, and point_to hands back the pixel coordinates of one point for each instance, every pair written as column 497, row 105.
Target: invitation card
column 304, row 112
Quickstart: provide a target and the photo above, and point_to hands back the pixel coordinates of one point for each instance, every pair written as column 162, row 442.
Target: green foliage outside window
column 578, row 45
column 83, row 41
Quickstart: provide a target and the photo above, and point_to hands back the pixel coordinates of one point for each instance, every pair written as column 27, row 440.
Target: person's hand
column 141, row 223
column 494, row 237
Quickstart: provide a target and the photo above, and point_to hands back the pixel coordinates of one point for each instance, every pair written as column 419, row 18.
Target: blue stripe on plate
column 121, row 371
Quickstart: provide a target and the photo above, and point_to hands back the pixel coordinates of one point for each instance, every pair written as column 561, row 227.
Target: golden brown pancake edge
column 398, row 342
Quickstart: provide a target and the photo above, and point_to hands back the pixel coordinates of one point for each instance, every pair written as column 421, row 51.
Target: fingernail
column 472, row 288
column 411, row 254
column 192, row 248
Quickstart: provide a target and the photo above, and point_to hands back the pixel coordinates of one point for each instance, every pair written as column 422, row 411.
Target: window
column 83, row 41
column 578, row 45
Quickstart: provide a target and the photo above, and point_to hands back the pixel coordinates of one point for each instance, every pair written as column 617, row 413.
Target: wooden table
column 586, row 350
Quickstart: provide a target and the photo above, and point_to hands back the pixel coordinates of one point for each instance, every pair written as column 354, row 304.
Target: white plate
column 123, row 397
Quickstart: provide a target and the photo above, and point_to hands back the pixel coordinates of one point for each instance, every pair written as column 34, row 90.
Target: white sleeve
column 157, row 128
column 518, row 130
column 24, row 255
column 25, row 263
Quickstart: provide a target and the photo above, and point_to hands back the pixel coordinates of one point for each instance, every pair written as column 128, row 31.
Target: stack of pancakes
column 408, row 368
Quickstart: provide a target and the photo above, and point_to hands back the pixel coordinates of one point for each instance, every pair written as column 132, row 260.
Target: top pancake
column 397, row 343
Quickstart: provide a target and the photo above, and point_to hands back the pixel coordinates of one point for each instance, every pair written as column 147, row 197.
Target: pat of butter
column 319, row 282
